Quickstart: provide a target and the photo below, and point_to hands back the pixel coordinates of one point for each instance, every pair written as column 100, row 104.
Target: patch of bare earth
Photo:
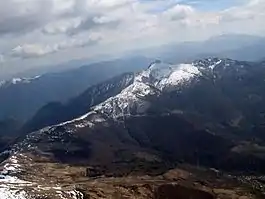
column 52, row 180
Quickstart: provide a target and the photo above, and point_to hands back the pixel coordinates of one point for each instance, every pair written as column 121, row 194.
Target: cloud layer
column 34, row 29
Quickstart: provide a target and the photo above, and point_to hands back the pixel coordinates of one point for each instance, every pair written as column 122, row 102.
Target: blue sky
column 202, row 5
column 212, row 5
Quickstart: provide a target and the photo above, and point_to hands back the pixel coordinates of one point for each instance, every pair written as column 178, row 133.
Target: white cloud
column 18, row 16
column 37, row 28
column 179, row 12
column 2, row 59
column 37, row 50
column 61, row 26
column 32, row 50
column 249, row 11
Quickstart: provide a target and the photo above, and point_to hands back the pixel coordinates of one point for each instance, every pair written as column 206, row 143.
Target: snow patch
column 6, row 193
column 12, row 166
column 17, row 80
column 2, row 83
column 84, row 124
column 215, row 64
column 75, row 120
column 183, row 73
column 71, row 194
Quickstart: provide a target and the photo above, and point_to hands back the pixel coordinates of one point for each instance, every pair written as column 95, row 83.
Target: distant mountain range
column 237, row 47
column 20, row 98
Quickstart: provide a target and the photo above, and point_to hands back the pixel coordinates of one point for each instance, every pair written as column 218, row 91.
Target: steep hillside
column 55, row 112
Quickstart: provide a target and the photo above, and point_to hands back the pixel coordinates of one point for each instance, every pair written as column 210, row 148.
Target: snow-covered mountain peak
column 17, row 80
column 159, row 71
column 156, row 71
column 158, row 78
column 157, row 65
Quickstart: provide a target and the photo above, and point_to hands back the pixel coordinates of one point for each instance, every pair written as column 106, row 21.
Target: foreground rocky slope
column 188, row 131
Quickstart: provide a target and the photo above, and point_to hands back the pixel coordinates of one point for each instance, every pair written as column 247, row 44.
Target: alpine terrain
column 192, row 130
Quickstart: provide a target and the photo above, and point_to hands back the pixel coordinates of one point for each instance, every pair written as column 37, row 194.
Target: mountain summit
column 159, row 77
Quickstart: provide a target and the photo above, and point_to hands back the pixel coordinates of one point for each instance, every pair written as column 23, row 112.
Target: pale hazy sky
column 47, row 32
